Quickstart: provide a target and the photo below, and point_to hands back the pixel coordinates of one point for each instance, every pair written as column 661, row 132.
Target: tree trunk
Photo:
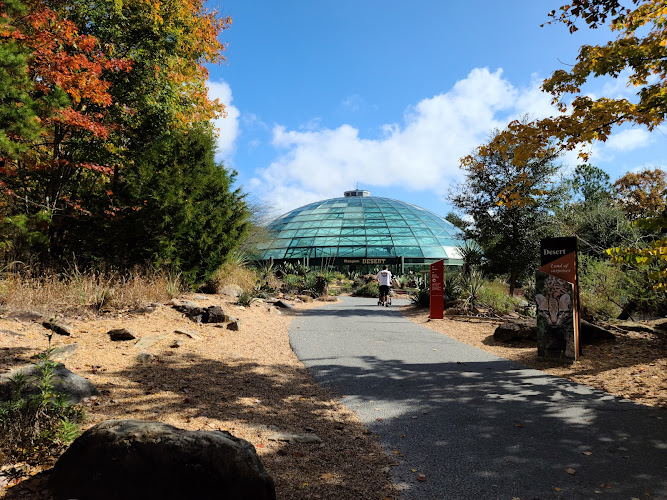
column 512, row 281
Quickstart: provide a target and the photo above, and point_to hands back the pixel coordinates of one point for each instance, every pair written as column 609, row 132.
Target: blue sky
column 390, row 95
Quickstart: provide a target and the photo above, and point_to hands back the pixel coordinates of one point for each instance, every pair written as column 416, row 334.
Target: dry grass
column 233, row 273
column 78, row 292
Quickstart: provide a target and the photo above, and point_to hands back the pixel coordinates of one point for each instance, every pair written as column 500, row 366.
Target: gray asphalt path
column 478, row 426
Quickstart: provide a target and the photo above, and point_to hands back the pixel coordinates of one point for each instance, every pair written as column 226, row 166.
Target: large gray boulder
column 73, row 386
column 526, row 330
column 137, row 460
column 591, row 333
column 516, row 329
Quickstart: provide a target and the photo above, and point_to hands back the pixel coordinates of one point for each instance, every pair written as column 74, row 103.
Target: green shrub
column 601, row 288
column 371, row 289
column 37, row 427
column 421, row 298
column 495, row 296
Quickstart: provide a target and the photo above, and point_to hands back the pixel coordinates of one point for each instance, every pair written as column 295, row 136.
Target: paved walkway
column 478, row 426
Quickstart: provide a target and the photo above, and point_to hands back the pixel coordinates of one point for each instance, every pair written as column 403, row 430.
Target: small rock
column 58, row 327
column 214, row 314
column 234, row 325
column 150, row 308
column 175, row 344
column 188, row 333
column 305, row 298
column 295, row 438
column 284, row 305
column 146, row 342
column 62, row 353
column 121, row 334
column 274, row 310
column 635, row 327
column 145, row 357
column 25, row 315
column 11, row 333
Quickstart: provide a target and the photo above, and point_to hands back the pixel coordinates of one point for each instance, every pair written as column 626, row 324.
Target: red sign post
column 437, row 277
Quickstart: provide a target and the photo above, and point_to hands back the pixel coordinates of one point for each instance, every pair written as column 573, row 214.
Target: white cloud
column 228, row 126
column 629, row 139
column 421, row 153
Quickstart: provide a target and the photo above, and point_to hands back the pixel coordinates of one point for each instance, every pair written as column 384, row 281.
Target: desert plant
column 245, row 298
column 471, row 285
column 421, row 298
column 451, row 286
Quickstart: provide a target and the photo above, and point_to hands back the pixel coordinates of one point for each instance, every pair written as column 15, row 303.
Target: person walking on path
column 384, row 278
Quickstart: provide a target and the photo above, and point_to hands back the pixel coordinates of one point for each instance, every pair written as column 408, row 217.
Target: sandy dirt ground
column 632, row 367
column 248, row 382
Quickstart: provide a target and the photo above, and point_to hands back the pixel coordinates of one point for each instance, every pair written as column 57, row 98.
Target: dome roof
column 360, row 226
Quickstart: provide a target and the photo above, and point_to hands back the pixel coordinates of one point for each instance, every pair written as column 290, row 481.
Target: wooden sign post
column 437, row 277
column 557, row 299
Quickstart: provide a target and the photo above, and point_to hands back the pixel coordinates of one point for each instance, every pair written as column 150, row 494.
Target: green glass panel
column 434, row 252
column 357, row 251
column 377, row 252
column 294, row 253
column 262, row 245
column 448, row 242
column 352, row 240
column 353, row 222
column 379, row 240
column 353, row 231
column 281, row 243
column 427, row 241
column 323, row 251
column 380, row 230
column 327, row 242
column 422, row 231
column 290, row 233
column 302, row 242
column 404, row 240
column 328, row 231
column 276, row 254
column 400, row 231
column 409, row 251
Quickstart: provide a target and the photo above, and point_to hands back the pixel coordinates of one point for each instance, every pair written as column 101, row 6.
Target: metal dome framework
column 359, row 229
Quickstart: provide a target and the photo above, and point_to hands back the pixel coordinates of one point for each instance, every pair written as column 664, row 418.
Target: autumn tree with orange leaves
column 638, row 53
column 92, row 86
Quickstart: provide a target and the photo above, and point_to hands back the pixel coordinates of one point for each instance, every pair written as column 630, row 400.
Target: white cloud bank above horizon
column 228, row 126
column 421, row 153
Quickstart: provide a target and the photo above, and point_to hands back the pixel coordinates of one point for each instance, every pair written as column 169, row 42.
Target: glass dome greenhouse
column 360, row 230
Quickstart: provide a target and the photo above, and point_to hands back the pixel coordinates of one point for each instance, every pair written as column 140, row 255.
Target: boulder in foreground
column 136, row 460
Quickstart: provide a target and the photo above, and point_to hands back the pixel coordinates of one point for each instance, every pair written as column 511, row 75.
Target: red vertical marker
column 437, row 290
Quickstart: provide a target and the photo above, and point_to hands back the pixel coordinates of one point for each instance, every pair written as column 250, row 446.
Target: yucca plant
column 471, row 284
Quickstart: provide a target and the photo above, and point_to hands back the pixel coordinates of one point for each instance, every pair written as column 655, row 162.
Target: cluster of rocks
column 210, row 314
column 525, row 330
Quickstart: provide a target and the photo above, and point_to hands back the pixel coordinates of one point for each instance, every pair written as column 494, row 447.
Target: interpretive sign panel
column 437, row 277
column 557, row 299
